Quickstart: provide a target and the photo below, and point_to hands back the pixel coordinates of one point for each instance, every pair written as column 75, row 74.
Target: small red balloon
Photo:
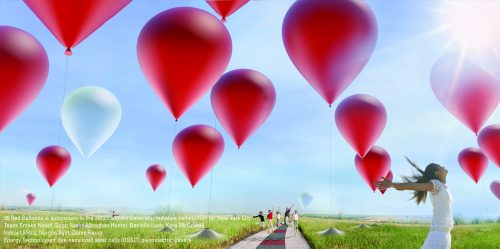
column 155, row 175
column 53, row 162
column 196, row 150
column 361, row 119
column 468, row 92
column 389, row 176
column 329, row 42
column 473, row 162
column 30, row 198
column 71, row 21
column 24, row 67
column 375, row 165
column 183, row 52
column 226, row 8
column 242, row 100
column 489, row 142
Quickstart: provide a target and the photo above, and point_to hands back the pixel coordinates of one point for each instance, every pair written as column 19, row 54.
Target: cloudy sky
column 287, row 156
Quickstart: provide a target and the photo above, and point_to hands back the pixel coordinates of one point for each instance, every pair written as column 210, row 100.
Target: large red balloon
column 473, row 162
column 242, row 100
column 30, row 198
column 71, row 21
column 468, row 92
column 53, row 162
column 389, row 176
column 155, row 175
column 375, row 165
column 24, row 67
column 182, row 52
column 226, row 7
column 489, row 142
column 196, row 150
column 361, row 119
column 329, row 41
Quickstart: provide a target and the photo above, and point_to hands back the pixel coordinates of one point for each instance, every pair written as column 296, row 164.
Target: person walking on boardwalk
column 269, row 221
column 261, row 216
column 287, row 213
column 433, row 180
column 278, row 218
column 295, row 222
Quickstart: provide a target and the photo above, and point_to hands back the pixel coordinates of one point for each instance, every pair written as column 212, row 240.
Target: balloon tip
column 330, row 105
column 223, row 20
column 68, row 52
column 176, row 120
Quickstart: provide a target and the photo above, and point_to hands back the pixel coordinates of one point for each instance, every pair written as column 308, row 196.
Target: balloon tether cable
column 60, row 123
column 331, row 231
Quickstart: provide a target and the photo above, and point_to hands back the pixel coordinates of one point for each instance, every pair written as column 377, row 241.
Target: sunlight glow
column 473, row 24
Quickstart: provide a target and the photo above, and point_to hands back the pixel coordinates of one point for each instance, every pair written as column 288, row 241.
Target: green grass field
column 132, row 235
column 395, row 235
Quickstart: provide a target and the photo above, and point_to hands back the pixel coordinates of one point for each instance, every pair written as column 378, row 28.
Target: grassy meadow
column 142, row 231
column 395, row 235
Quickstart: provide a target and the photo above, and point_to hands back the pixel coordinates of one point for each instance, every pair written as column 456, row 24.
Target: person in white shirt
column 433, row 180
column 278, row 218
column 295, row 222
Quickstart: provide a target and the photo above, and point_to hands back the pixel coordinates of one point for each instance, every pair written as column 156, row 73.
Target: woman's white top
column 442, row 218
column 278, row 216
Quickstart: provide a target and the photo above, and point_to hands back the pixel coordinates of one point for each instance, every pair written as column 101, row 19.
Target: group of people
column 431, row 180
column 291, row 219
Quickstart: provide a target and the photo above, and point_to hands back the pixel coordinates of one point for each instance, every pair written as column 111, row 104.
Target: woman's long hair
column 421, row 176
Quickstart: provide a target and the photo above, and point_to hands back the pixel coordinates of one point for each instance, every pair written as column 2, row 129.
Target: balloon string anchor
column 68, row 52
column 223, row 19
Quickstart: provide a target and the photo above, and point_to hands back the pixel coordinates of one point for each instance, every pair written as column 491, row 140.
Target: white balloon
column 90, row 115
column 305, row 200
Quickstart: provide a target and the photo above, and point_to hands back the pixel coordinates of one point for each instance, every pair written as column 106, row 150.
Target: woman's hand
column 385, row 184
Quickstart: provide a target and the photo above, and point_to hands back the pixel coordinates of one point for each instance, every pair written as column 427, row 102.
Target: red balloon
column 468, row 92
column 495, row 188
column 182, row 52
column 73, row 21
column 389, row 176
column 361, row 119
column 329, row 41
column 196, row 150
column 226, row 8
column 155, row 175
column 24, row 67
column 473, row 162
column 242, row 100
column 489, row 142
column 53, row 162
column 373, row 166
column 30, row 198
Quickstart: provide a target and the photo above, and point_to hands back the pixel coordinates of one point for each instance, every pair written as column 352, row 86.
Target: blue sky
column 287, row 156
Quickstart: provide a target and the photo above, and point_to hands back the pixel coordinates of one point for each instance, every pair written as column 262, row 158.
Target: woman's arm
column 428, row 186
column 414, row 186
